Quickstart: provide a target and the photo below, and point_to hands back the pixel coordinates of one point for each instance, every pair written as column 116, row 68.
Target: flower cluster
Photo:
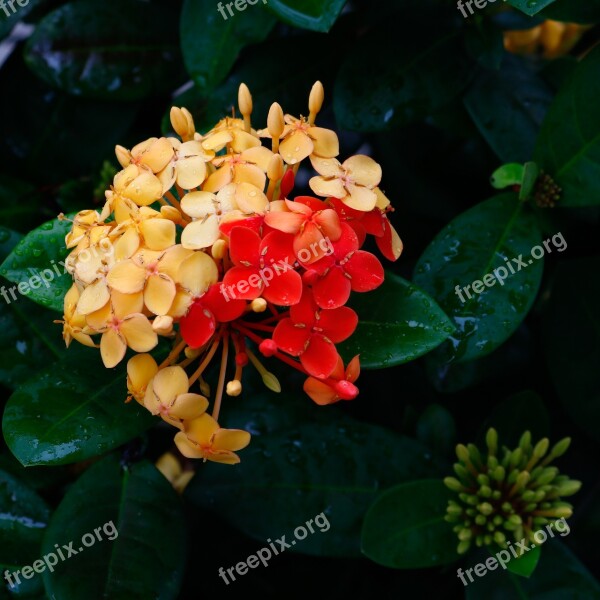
column 507, row 493
column 200, row 242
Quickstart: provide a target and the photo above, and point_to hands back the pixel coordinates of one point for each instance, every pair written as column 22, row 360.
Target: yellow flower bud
column 316, row 99
column 275, row 168
column 258, row 305
column 245, row 100
column 234, row 388
column 275, row 122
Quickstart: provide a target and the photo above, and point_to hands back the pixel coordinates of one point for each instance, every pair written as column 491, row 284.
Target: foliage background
column 440, row 105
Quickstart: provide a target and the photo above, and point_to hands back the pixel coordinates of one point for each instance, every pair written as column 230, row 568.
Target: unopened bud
column 163, row 325
column 272, row 382
column 123, row 156
column 234, row 388
column 268, row 348
column 218, row 249
column 275, row 121
column 245, row 100
column 258, row 305
column 183, row 123
column 316, row 98
column 346, row 390
column 275, row 168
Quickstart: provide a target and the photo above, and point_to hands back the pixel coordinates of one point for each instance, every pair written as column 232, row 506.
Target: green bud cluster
column 547, row 192
column 508, row 493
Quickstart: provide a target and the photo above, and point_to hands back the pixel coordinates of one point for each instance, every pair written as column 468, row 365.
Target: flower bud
column 234, row 388
column 268, row 348
column 245, row 100
column 275, row 122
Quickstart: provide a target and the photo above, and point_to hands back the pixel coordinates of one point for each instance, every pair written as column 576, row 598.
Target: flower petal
column 191, row 172
column 159, row 234
column 197, row 273
column 250, row 199
column 201, row 234
column 112, row 348
column 327, row 167
column 296, row 147
column 169, row 383
column 231, row 439
column 244, row 246
column 243, row 283
column 360, row 198
column 93, row 297
column 333, row 289
column 291, row 339
column 187, row 448
column 365, row 270
column 127, row 277
column 201, row 430
column 320, row 357
column 285, row 289
column 363, row 170
column 222, row 306
column 199, row 204
column 188, row 406
column 327, row 188
column 138, row 333
column 326, row 143
column 320, row 392
column 338, row 324
column 197, row 326
column 159, row 294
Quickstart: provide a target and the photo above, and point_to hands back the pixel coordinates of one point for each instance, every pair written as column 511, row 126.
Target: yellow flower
column 250, row 166
column 353, row 181
column 230, row 132
column 74, row 324
column 203, row 438
column 183, row 123
column 300, row 140
column 140, row 370
column 552, row 38
column 132, row 185
column 167, row 395
column 188, row 167
column 154, row 154
column 170, row 467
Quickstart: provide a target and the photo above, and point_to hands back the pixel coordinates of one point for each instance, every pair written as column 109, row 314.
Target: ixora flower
column 506, row 493
column 201, row 242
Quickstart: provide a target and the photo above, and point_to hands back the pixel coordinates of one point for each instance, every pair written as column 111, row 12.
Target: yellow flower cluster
column 551, row 38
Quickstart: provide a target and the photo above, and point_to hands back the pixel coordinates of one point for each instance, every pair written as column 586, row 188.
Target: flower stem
column 221, row 383
column 206, row 360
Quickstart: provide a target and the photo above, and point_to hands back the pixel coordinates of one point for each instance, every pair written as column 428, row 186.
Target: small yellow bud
column 275, row 122
column 170, row 213
column 123, row 156
column 218, row 249
column 258, row 305
column 183, row 123
column 275, row 168
column 316, row 99
column 245, row 100
column 234, row 388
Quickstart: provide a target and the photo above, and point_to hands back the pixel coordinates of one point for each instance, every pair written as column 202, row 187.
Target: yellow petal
column 127, row 277
column 186, row 447
column 382, row 200
column 217, row 141
column 93, row 298
column 99, row 319
column 140, row 370
column 200, row 430
column 296, row 147
column 197, row 273
column 259, row 155
column 70, row 301
column 231, row 439
column 224, row 457
column 159, row 234
column 144, row 189
column 156, row 155
column 181, row 304
column 327, row 167
column 251, row 199
column 191, row 172
column 167, row 177
column 138, row 333
column 201, row 234
column 363, row 170
column 126, row 246
column 219, row 179
column 159, row 294
column 170, row 383
column 151, row 400
column 249, row 174
column 360, row 198
column 199, row 204
column 326, row 143
column 243, row 141
column 112, row 348
column 327, row 188
column 171, row 260
column 126, row 304
column 188, row 406
column 226, row 198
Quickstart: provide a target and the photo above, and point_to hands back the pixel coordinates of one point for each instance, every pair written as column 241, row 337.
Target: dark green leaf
column 139, row 518
column 71, row 411
column 397, row 323
column 574, row 11
column 472, row 247
column 405, row 527
column 209, row 55
column 436, row 430
column 485, row 43
column 334, row 465
column 41, row 251
column 508, row 107
column 572, row 344
column 429, row 68
column 23, row 518
column 530, row 7
column 525, row 564
column 568, row 147
column 316, row 15
column 125, row 50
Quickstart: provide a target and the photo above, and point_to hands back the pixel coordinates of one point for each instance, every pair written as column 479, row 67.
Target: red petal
column 338, row 324
column 299, row 207
column 330, row 224
column 345, row 212
column 313, row 203
column 360, row 232
column 287, row 222
column 253, row 223
column 310, row 245
column 220, row 303
column 353, row 369
column 332, row 290
column 366, row 271
column 289, row 338
column 237, row 283
column 320, row 392
column 277, row 248
column 244, row 246
column 320, row 357
column 198, row 326
column 287, row 184
column 285, row 289
column 390, row 248
column 305, row 311
column 373, row 222
column 347, row 243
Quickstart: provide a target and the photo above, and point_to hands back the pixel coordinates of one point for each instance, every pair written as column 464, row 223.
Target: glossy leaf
column 508, row 107
column 334, row 465
column 141, row 512
column 398, row 323
column 316, row 15
column 209, row 55
column 405, row 527
column 125, row 50
column 23, row 519
column 530, row 7
column 71, row 411
column 525, row 564
column 463, row 254
column 428, row 70
column 41, row 250
column 568, row 147
column 572, row 345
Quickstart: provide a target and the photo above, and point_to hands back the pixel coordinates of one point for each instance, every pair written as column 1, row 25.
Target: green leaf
column 210, row 55
column 530, row 7
column 125, row 50
column 525, row 564
column 138, row 517
column 508, row 107
column 568, row 147
column 405, row 527
column 574, row 11
column 71, row 411
column 507, row 176
column 41, row 250
column 572, row 341
column 398, row 322
column 23, row 518
column 559, row 575
column 436, row 429
column 474, row 246
column 295, row 469
column 429, row 68
column 531, row 173
column 316, row 15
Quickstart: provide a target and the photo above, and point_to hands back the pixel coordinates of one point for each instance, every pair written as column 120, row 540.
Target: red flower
column 347, row 269
column 310, row 333
column 339, row 386
column 199, row 324
column 262, row 268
